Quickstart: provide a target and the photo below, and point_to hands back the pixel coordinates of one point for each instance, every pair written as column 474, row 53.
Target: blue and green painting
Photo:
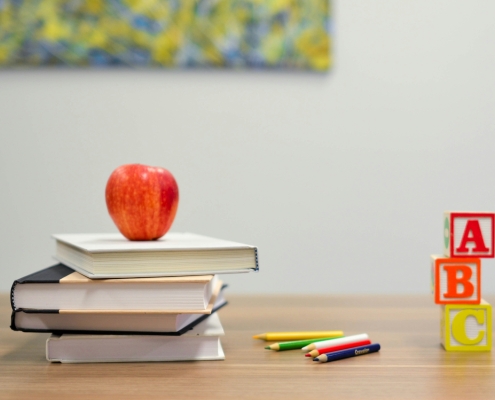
column 166, row 33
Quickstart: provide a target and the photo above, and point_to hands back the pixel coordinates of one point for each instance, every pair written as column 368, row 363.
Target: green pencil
column 296, row 344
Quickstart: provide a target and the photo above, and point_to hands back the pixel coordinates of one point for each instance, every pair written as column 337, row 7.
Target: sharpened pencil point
column 315, row 359
column 268, row 348
column 256, row 336
column 307, row 355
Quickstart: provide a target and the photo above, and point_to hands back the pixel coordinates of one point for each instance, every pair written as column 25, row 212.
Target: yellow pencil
column 297, row 335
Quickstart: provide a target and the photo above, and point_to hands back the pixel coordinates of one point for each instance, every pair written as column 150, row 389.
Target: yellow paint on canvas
column 236, row 33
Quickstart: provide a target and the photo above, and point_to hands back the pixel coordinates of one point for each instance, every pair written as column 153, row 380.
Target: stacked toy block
column 466, row 319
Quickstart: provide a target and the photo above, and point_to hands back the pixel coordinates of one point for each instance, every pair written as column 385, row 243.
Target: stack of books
column 114, row 300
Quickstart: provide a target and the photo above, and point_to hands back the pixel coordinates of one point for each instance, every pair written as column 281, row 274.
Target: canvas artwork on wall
column 166, row 33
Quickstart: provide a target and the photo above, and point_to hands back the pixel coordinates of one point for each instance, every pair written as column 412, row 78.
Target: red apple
column 142, row 201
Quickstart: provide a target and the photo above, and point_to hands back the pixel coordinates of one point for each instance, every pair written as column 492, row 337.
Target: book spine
column 12, row 322
column 12, row 295
column 256, row 259
column 14, row 327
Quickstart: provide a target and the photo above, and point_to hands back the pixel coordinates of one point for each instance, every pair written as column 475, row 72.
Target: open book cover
column 200, row 343
column 176, row 254
column 61, row 288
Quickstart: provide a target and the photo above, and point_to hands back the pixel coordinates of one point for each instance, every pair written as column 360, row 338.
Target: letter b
column 456, row 280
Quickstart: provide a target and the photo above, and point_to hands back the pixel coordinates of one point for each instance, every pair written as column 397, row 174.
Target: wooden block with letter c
column 466, row 327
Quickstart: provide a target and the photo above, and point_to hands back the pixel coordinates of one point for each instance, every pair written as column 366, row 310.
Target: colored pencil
column 297, row 335
column 354, row 352
column 329, row 349
column 344, row 340
column 297, row 344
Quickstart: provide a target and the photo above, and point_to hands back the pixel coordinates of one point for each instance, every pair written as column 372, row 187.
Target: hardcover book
column 200, row 343
column 113, row 256
column 145, row 323
column 60, row 288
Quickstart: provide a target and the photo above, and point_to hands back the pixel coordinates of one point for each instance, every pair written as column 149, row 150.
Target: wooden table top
column 411, row 364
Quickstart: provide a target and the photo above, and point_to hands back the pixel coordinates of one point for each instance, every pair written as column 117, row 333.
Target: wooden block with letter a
column 469, row 234
column 466, row 327
column 456, row 280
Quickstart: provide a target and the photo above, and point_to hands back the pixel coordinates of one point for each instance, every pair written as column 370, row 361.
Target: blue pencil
column 354, row 352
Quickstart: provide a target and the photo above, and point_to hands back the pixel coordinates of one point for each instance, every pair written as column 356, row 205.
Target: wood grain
column 411, row 364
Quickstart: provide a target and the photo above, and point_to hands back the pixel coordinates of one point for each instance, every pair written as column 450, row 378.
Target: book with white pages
column 61, row 288
column 145, row 323
column 200, row 343
column 176, row 254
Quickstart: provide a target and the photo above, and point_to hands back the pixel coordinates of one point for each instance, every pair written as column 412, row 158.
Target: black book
column 38, row 299
column 61, row 288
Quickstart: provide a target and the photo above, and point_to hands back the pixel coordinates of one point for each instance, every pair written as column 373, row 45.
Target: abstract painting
column 275, row 34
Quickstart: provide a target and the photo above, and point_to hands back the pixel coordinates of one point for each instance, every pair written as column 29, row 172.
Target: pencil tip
column 316, row 359
column 307, row 355
column 256, row 336
column 268, row 348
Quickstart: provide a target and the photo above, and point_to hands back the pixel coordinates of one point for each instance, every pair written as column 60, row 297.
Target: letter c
column 459, row 326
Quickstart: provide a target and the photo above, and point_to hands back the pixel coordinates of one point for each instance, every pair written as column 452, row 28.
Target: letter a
column 453, row 280
column 472, row 233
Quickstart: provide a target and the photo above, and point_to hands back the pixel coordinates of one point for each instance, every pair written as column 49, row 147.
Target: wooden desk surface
column 411, row 364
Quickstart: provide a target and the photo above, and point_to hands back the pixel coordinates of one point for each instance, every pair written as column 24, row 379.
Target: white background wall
column 341, row 179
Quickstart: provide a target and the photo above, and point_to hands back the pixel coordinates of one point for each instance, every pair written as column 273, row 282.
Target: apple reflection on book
column 108, row 295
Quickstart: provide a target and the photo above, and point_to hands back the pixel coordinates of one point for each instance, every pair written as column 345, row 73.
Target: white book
column 60, row 288
column 106, row 323
column 113, row 256
column 201, row 343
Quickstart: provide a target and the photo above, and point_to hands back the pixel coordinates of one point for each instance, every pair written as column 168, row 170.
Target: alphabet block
column 456, row 280
column 469, row 234
column 466, row 327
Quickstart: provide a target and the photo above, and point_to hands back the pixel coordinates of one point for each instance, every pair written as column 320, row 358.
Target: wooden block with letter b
column 456, row 280
column 469, row 234
column 466, row 327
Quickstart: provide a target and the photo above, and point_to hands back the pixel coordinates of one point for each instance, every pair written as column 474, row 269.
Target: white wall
column 340, row 179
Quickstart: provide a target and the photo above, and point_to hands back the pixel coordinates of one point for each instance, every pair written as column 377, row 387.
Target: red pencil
column 329, row 349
